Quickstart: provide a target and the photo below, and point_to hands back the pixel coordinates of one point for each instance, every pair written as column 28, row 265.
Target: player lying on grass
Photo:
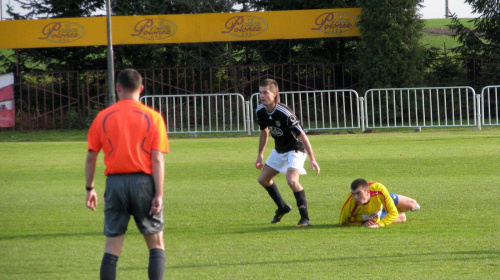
column 371, row 205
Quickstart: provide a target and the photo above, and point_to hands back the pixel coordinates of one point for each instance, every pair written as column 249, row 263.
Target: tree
column 55, row 8
column 482, row 43
column 484, row 38
column 389, row 53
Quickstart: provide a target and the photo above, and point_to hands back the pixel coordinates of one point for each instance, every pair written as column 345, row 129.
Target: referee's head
column 129, row 79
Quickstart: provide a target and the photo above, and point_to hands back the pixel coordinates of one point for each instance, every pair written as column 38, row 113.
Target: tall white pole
column 111, row 66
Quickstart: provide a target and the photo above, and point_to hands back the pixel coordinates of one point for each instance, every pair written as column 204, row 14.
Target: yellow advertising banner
column 186, row 28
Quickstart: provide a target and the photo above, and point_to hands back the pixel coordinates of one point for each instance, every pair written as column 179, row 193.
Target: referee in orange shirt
column 133, row 138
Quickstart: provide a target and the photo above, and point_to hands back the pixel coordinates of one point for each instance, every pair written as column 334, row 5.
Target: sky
column 436, row 9
column 432, row 9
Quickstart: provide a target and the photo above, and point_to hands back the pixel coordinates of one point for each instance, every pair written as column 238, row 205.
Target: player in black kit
column 289, row 153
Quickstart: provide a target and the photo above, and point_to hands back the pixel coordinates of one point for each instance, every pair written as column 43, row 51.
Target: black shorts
column 130, row 195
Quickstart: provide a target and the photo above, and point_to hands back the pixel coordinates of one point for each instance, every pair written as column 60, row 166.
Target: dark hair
column 271, row 83
column 358, row 182
column 129, row 79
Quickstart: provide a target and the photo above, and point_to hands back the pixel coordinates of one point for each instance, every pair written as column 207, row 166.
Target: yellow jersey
column 352, row 214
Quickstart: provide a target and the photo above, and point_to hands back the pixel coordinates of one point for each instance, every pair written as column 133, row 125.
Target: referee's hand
column 91, row 200
column 156, row 205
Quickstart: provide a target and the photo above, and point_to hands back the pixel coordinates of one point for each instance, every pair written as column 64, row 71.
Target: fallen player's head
column 360, row 191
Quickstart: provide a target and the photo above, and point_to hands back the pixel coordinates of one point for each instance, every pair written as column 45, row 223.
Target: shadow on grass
column 50, row 235
column 275, row 228
column 453, row 255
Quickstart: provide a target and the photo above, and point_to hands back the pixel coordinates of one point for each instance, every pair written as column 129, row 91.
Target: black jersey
column 283, row 127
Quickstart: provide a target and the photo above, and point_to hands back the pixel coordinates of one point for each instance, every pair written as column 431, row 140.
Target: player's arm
column 344, row 216
column 345, row 212
column 314, row 165
column 390, row 208
column 158, row 163
column 90, row 165
column 263, row 137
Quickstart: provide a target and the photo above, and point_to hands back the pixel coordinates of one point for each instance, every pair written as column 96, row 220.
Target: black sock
column 108, row 267
column 156, row 267
column 302, row 204
column 275, row 194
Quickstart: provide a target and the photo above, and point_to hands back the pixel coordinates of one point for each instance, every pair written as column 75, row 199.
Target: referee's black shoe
column 281, row 212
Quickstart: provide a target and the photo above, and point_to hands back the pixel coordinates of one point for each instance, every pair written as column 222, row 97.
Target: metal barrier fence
column 319, row 110
column 198, row 113
column 490, row 110
column 334, row 109
column 420, row 107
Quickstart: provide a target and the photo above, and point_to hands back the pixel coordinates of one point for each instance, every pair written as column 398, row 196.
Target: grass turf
column 218, row 218
column 442, row 41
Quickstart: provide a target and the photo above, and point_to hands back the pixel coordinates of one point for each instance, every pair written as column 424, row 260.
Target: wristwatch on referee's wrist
column 89, row 188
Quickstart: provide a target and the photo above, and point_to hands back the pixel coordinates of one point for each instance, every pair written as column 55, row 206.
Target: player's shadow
column 417, row 258
column 275, row 228
column 49, row 235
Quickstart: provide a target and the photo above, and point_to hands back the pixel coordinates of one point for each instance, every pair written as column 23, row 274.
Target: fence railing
column 335, row 109
column 47, row 101
column 199, row 113
column 319, row 110
column 420, row 107
column 490, row 108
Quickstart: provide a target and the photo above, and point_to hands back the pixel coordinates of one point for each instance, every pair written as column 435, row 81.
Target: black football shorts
column 130, row 195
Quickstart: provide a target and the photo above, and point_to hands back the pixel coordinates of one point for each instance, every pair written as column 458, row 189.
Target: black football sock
column 156, row 267
column 302, row 204
column 275, row 194
column 108, row 267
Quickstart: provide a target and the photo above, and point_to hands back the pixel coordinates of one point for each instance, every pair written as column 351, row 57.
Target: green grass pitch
column 218, row 218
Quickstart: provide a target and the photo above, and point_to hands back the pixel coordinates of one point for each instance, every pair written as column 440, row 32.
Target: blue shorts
column 395, row 198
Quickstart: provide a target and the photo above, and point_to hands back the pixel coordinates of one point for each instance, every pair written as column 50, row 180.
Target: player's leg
column 155, row 240
column 113, row 250
column 403, row 203
column 266, row 176
column 266, row 180
column 116, row 219
column 295, row 168
column 114, row 245
column 407, row 204
column 292, row 178
column 275, row 164
column 401, row 218
column 151, row 226
column 156, row 247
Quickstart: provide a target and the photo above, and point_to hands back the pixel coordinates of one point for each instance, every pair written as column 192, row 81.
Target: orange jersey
column 353, row 214
column 127, row 132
